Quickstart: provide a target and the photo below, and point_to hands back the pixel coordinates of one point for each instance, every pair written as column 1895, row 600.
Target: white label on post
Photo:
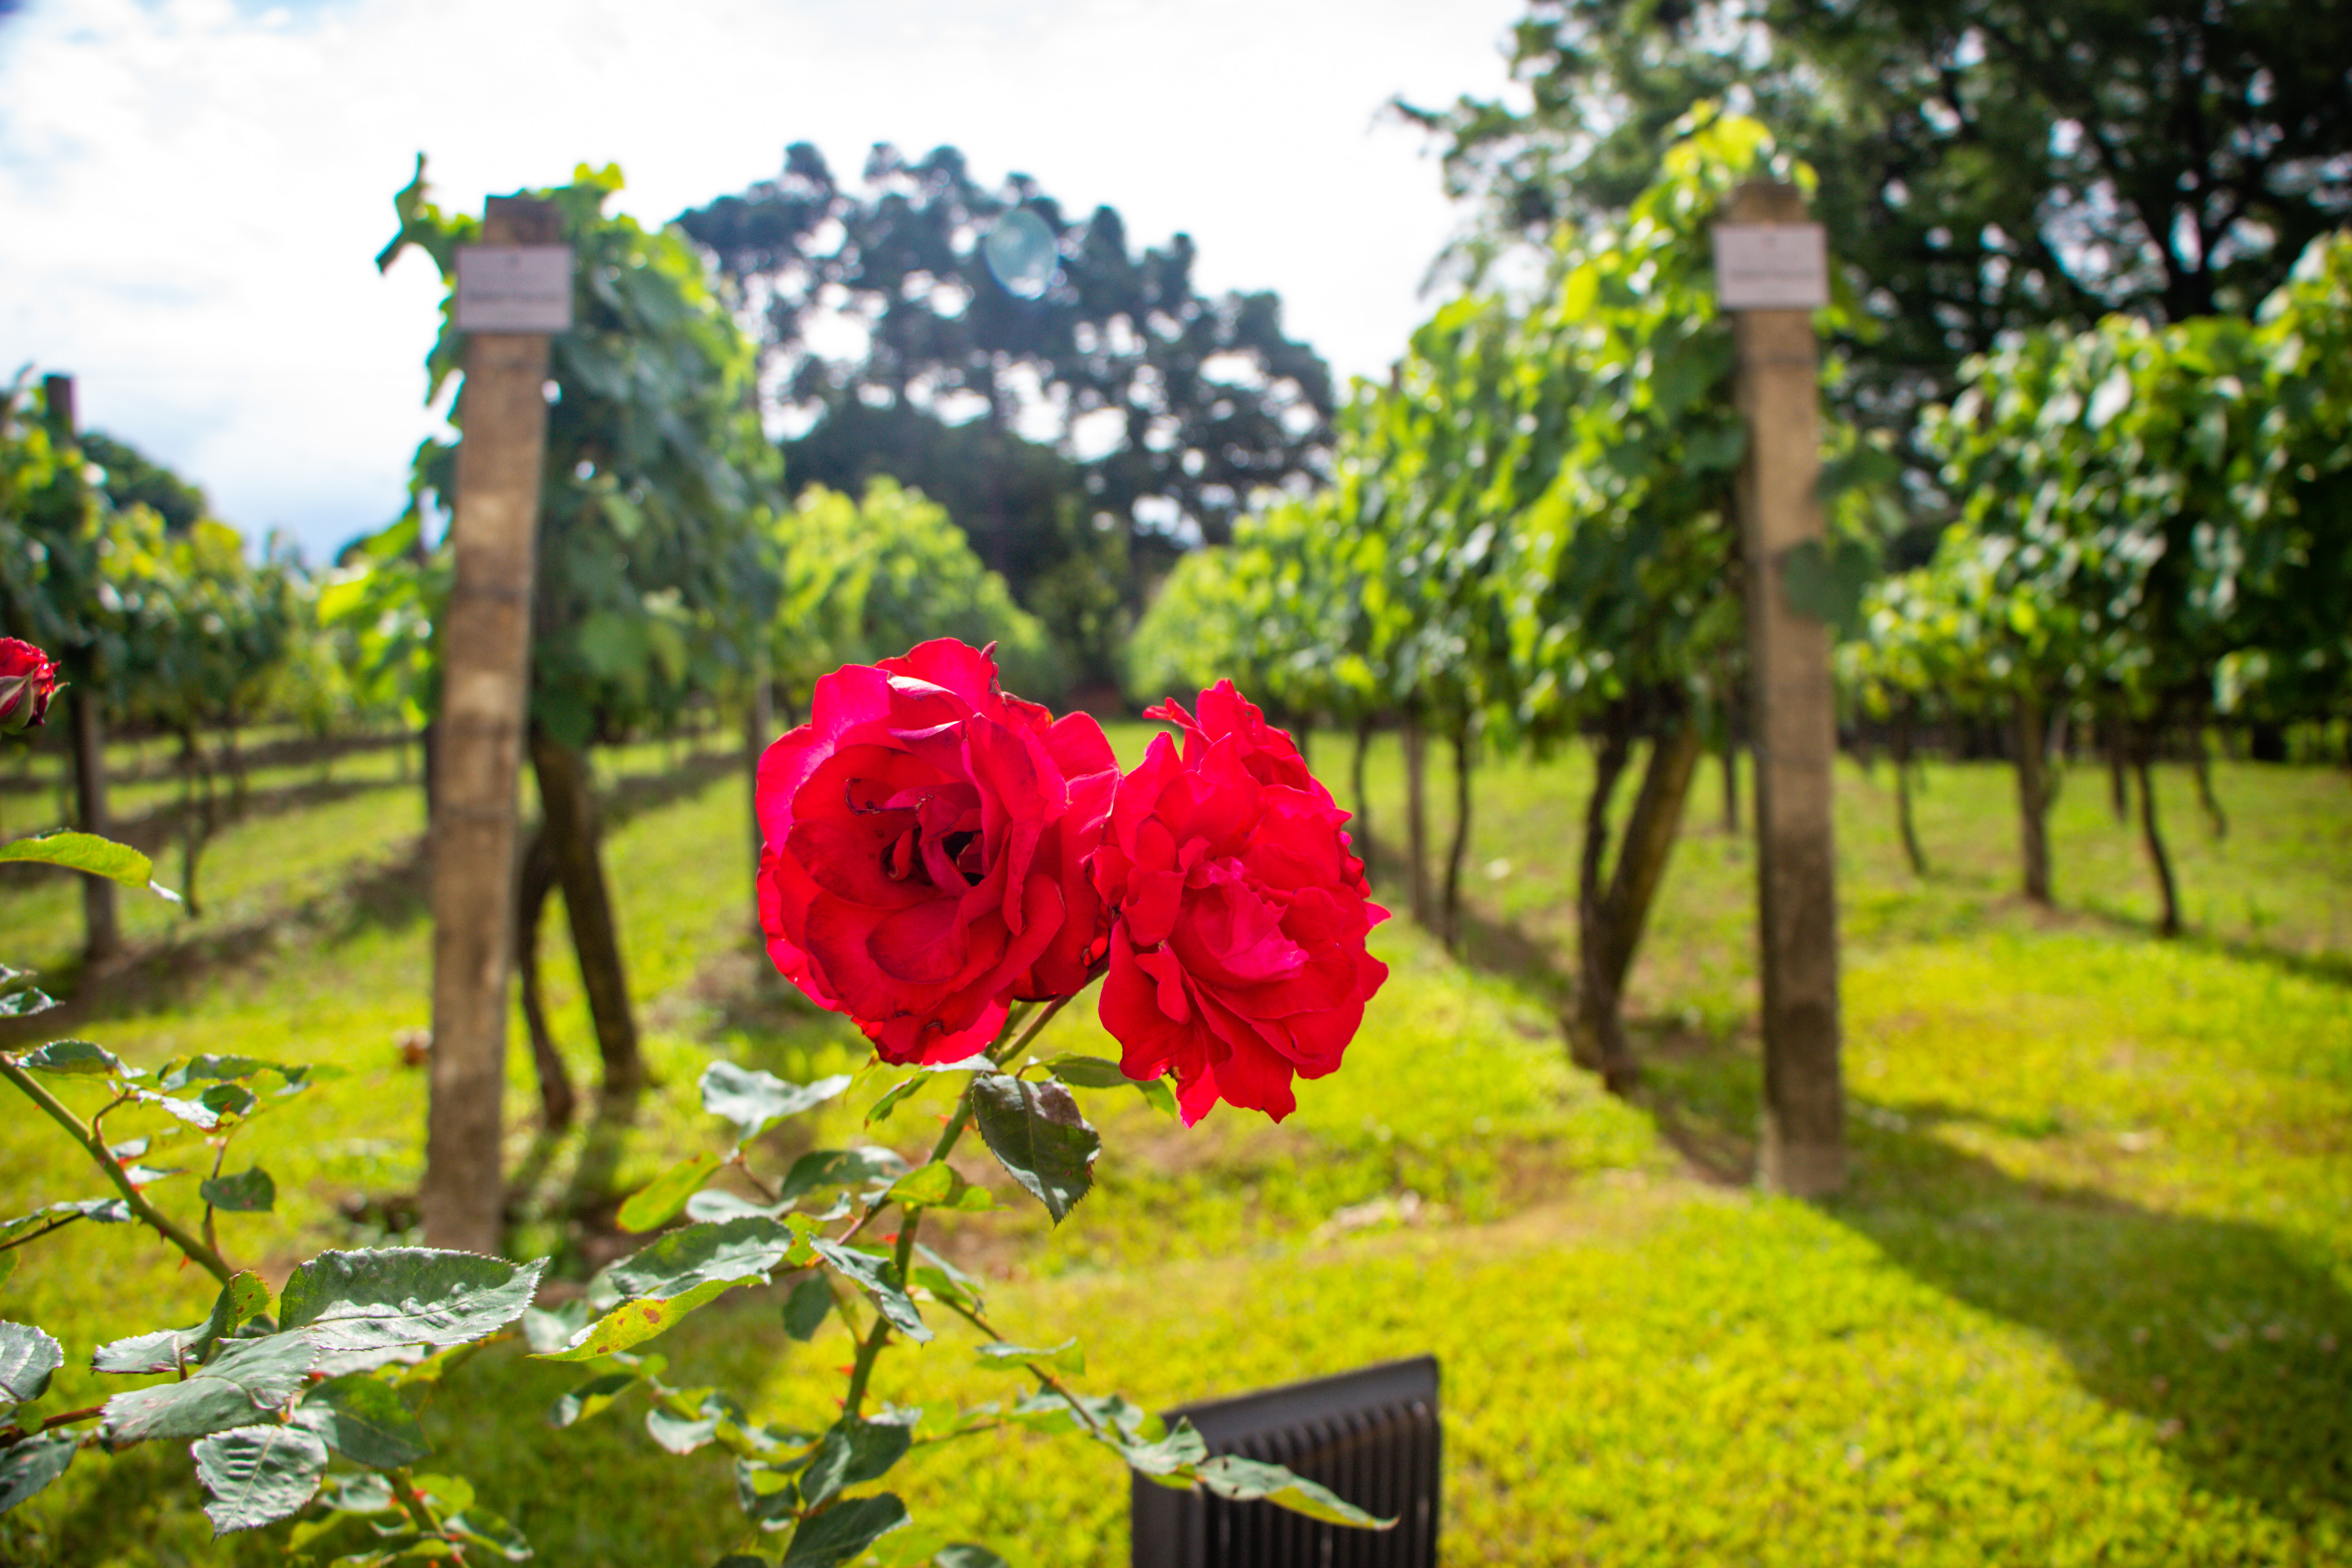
column 514, row 288
column 1770, row 266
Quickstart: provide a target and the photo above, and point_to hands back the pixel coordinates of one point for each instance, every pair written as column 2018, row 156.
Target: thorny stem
column 1008, row 1046
column 1000, row 1057
column 404, row 1487
column 195, row 1251
column 11, row 1435
column 59, row 1224
column 220, row 1157
column 1045, row 1378
column 758, row 1186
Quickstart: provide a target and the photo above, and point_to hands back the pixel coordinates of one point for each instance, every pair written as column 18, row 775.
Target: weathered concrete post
column 485, row 695
column 1771, row 273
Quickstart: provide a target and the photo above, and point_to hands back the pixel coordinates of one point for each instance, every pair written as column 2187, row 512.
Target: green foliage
column 656, row 477
column 133, row 479
column 2151, row 519
column 1024, row 506
column 379, row 607
column 753, row 1100
column 83, row 852
column 161, row 618
column 27, row 1358
column 1990, row 168
column 392, row 1297
column 1194, row 634
column 868, row 579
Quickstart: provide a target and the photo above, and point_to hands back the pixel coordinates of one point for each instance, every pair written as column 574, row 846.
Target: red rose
column 1239, row 916
column 925, row 837
column 28, row 678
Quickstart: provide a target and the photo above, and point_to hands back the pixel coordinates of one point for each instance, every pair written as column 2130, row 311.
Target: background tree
column 1987, row 165
column 206, row 635
column 131, row 478
column 987, row 304
column 1531, row 532
column 865, row 580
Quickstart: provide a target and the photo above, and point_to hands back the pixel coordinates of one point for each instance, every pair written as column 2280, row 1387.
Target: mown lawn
column 2085, row 1300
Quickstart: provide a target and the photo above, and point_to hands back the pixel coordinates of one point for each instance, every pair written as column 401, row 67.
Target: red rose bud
column 1237, row 953
column 28, row 678
column 926, row 838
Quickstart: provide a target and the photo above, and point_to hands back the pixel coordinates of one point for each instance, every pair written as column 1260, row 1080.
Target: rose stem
column 195, row 1250
column 1045, row 1377
column 862, row 1371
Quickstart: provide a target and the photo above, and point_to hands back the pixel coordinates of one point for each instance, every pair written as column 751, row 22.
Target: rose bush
column 28, row 678
column 1237, row 945
column 925, row 839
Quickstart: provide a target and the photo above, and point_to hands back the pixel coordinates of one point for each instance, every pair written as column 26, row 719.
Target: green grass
column 2084, row 1301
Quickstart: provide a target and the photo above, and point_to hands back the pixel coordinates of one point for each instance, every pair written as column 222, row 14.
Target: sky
column 193, row 191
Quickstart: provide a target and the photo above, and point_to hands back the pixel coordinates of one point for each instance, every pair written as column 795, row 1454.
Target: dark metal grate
column 1369, row 1436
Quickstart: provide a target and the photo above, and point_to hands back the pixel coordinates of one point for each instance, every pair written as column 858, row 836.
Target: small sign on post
column 1770, row 268
column 514, row 288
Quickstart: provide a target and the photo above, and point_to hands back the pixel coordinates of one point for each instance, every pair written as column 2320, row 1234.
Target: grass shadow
column 2326, row 968
column 2234, row 1340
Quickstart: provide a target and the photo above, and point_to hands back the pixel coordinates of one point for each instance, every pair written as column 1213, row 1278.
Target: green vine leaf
column 75, row 1058
column 592, row 1396
column 878, row 1277
column 964, row 1555
column 1250, row 1481
column 685, row 1269
column 805, row 1308
column 658, row 1200
column 937, row 1186
column 28, row 1358
column 851, row 1452
column 86, row 852
column 1065, row 1358
column 248, row 1192
column 839, row 1168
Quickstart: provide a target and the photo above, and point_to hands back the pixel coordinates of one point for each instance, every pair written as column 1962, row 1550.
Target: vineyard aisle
column 2087, row 1286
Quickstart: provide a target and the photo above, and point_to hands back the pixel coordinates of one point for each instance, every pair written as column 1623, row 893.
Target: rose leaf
column 844, row 1530
column 1036, row 1134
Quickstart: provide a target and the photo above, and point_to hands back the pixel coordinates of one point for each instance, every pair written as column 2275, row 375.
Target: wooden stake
column 102, row 934
column 1794, row 730
column 485, row 695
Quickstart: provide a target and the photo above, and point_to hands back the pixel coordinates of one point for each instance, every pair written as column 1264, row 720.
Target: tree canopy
column 921, row 289
column 1985, row 166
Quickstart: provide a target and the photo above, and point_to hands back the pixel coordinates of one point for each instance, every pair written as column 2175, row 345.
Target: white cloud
column 193, row 191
